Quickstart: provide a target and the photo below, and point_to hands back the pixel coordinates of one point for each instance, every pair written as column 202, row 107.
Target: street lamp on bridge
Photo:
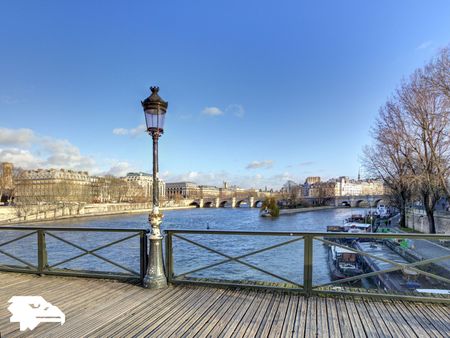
column 155, row 111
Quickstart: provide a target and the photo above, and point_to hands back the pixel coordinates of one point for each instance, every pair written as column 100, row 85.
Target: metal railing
column 37, row 252
column 305, row 258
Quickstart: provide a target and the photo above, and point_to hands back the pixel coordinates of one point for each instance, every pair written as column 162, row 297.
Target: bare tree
column 411, row 152
column 387, row 158
column 426, row 115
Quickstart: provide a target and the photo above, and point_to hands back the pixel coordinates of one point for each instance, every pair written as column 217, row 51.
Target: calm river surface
column 285, row 261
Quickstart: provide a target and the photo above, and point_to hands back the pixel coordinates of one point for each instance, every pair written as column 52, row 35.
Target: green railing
column 305, row 257
column 34, row 256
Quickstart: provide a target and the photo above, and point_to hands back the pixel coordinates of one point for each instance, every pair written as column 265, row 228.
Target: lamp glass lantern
column 155, row 111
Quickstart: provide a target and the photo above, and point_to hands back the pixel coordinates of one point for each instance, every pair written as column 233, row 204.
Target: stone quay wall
column 418, row 221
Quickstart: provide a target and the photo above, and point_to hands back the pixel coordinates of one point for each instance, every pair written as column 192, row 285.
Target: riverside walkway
column 104, row 308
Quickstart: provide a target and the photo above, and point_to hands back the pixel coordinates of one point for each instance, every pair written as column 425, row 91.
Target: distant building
column 177, row 190
column 52, row 185
column 140, row 185
column 342, row 186
column 6, row 182
column 208, row 191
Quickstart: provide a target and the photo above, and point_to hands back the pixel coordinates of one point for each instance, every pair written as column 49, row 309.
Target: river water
column 285, row 261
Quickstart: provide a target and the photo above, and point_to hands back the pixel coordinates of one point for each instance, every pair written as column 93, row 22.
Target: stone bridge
column 232, row 202
column 361, row 201
column 252, row 200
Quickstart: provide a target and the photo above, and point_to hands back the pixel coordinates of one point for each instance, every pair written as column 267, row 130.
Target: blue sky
column 259, row 91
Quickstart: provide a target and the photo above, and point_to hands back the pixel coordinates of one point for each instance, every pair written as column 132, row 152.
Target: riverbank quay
column 96, row 308
column 93, row 210
column 299, row 210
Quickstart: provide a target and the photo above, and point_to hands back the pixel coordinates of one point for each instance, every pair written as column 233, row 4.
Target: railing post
column 42, row 252
column 169, row 256
column 143, row 256
column 308, row 264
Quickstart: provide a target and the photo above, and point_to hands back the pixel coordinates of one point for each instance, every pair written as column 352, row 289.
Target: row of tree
column 411, row 148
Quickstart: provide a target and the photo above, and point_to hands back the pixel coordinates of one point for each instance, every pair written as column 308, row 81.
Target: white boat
column 265, row 213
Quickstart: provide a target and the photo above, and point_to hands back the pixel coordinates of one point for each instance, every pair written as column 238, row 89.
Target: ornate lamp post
column 155, row 112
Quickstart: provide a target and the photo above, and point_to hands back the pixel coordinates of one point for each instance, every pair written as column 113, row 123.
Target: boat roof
column 338, row 249
column 357, row 225
column 436, row 291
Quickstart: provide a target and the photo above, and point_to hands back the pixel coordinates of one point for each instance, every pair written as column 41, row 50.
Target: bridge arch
column 257, row 204
column 224, row 204
column 362, row 203
column 238, row 203
column 208, row 204
column 346, row 204
column 196, row 204
column 378, row 202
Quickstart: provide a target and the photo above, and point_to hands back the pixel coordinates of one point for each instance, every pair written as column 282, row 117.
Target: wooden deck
column 99, row 308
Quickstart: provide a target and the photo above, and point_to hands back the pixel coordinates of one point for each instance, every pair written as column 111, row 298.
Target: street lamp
column 155, row 112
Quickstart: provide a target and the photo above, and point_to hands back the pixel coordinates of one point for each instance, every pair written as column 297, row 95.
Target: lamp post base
column 155, row 277
column 152, row 282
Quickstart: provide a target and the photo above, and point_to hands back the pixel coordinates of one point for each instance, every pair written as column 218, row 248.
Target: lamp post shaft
column 155, row 137
column 155, row 277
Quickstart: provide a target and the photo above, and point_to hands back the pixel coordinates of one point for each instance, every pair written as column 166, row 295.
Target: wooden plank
column 289, row 321
column 173, row 309
column 376, row 318
column 366, row 320
column 421, row 326
column 441, row 311
column 252, row 329
column 357, row 326
column 259, row 304
column 437, row 322
column 183, row 310
column 322, row 318
column 333, row 319
column 191, row 312
column 311, row 323
column 233, row 302
column 405, row 327
column 45, row 289
column 239, row 316
column 388, row 320
column 197, row 315
column 301, row 318
column 223, row 303
column 234, row 313
column 344, row 318
column 266, row 322
column 108, row 310
column 147, row 308
column 280, row 316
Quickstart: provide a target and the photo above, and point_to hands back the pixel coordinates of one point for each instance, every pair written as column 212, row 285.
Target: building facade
column 177, row 190
column 53, row 186
column 6, row 182
column 140, row 186
column 342, row 186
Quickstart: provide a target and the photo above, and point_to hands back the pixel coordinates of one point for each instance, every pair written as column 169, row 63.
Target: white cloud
column 306, row 163
column 236, row 109
column 131, row 132
column 28, row 150
column 21, row 158
column 16, row 137
column 266, row 164
column 212, row 111
column 119, row 169
column 425, row 45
